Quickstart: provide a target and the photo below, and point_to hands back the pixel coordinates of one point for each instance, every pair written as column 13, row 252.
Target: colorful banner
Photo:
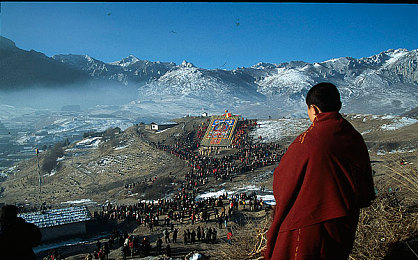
column 220, row 131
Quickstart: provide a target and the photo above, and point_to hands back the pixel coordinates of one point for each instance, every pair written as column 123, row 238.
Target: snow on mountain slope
column 95, row 68
column 129, row 70
column 395, row 55
column 185, row 80
column 284, row 81
column 125, row 62
column 186, row 89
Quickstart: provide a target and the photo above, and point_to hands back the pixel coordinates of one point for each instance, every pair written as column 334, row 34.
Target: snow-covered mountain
column 385, row 83
column 129, row 70
column 379, row 84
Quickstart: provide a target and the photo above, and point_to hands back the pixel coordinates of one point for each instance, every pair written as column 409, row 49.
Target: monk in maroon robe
column 321, row 183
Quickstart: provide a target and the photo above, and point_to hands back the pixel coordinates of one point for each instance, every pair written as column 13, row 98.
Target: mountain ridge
column 21, row 69
column 383, row 83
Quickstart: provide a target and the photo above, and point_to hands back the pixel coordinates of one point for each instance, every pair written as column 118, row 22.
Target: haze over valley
column 44, row 100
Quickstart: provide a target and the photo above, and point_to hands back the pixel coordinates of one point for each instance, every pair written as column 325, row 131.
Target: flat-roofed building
column 159, row 127
column 59, row 223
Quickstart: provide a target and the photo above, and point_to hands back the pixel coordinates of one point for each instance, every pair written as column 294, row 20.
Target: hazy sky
column 211, row 35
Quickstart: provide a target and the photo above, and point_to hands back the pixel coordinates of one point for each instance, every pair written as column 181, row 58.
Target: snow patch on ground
column 275, row 130
column 211, row 194
column 266, row 195
column 161, row 131
column 398, row 123
column 22, row 140
column 71, row 242
column 366, row 132
column 82, row 201
column 89, row 142
column 52, row 173
column 121, row 147
column 405, row 150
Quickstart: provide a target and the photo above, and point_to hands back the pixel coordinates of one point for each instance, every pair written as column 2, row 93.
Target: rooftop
column 56, row 217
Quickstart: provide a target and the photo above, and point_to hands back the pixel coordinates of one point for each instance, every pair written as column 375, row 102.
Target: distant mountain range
column 379, row 84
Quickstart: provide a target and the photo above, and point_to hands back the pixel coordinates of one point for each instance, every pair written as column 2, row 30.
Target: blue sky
column 211, row 35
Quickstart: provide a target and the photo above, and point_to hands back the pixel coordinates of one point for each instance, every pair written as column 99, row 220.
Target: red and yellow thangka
column 220, row 130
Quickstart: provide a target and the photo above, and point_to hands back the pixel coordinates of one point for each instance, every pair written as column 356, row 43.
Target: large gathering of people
column 200, row 220
column 248, row 156
column 183, row 207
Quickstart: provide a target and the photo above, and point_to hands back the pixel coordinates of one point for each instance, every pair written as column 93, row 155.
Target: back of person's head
column 8, row 213
column 325, row 96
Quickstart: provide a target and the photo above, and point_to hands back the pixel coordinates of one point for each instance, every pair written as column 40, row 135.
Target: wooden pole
column 39, row 178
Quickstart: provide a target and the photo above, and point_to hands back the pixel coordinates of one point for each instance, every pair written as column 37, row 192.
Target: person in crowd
column 229, row 237
column 98, row 245
column 214, row 235
column 175, row 235
column 166, row 235
column 168, row 250
column 159, row 245
column 146, row 246
column 193, row 236
column 185, row 237
column 198, row 233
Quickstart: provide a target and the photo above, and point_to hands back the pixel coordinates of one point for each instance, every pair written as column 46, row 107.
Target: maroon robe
column 322, row 181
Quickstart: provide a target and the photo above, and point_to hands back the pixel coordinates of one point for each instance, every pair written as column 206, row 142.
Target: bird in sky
column 237, row 23
column 173, row 31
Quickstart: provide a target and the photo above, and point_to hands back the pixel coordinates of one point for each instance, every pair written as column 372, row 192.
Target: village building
column 59, row 223
column 159, row 127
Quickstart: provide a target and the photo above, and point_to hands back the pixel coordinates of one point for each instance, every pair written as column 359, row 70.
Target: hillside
column 91, row 170
column 106, row 163
column 122, row 167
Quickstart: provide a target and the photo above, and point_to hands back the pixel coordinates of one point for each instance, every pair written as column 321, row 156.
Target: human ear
column 316, row 110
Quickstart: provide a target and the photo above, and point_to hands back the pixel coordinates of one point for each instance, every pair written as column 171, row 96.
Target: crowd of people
column 249, row 156
column 200, row 235
column 183, row 207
